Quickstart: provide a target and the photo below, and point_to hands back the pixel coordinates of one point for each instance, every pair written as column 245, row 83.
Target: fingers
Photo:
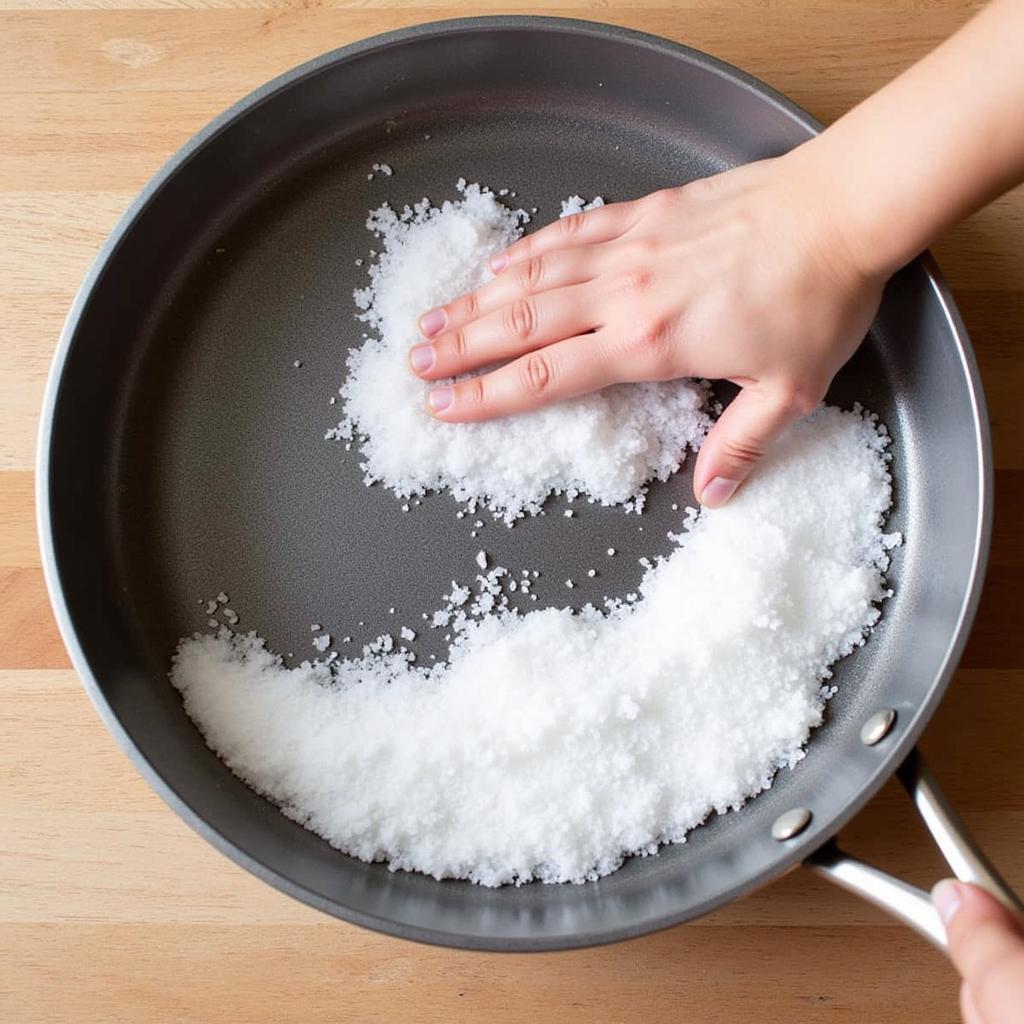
column 986, row 945
column 754, row 418
column 537, row 274
column 599, row 225
column 572, row 367
column 527, row 323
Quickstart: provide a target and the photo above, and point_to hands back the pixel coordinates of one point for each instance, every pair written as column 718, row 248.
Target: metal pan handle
column 906, row 902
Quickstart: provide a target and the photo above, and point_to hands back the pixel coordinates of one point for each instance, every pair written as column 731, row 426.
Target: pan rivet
column 790, row 824
column 877, row 727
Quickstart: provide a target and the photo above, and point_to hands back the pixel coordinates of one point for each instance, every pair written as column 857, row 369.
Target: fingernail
column 718, row 492
column 499, row 262
column 947, row 899
column 432, row 322
column 422, row 357
column 440, row 399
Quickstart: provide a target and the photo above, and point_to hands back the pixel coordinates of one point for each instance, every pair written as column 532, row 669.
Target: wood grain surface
column 111, row 909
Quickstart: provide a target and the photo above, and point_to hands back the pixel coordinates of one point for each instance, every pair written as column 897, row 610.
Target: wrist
column 845, row 230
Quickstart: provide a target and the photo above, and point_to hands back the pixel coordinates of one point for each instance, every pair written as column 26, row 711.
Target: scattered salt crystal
column 481, row 559
column 611, row 551
column 591, row 573
column 321, row 643
column 568, row 513
column 576, row 204
column 211, row 607
column 570, row 584
column 407, row 634
column 231, row 615
column 297, row 363
column 315, row 627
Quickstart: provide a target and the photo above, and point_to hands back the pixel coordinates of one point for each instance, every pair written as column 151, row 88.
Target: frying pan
column 182, row 454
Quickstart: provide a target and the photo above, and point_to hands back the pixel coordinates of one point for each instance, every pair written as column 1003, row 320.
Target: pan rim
column 825, row 828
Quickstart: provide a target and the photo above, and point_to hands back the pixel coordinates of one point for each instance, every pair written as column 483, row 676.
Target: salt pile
column 607, row 445
column 553, row 744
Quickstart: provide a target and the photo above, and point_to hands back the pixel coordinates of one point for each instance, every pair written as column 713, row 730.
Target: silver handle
column 906, row 902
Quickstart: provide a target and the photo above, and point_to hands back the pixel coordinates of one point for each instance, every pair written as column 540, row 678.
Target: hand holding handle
column 911, row 905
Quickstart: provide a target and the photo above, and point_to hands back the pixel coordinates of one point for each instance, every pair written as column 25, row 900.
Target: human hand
column 986, row 945
column 742, row 276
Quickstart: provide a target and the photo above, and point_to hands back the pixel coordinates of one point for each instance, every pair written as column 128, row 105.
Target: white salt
column 553, row 744
column 576, row 204
column 607, row 444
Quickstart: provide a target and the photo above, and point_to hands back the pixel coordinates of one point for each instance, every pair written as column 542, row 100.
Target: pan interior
column 187, row 453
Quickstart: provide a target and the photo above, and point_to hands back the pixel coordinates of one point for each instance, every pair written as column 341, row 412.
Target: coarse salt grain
column 591, row 736
column 607, row 444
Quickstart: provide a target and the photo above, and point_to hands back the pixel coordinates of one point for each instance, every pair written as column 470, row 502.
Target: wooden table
column 111, row 909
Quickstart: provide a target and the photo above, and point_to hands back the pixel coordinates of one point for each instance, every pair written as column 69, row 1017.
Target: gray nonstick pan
column 182, row 453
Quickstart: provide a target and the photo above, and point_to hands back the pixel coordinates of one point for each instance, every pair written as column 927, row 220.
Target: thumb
column 751, row 421
column 986, row 945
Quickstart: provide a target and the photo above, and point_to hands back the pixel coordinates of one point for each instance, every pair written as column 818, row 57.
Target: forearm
column 928, row 149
